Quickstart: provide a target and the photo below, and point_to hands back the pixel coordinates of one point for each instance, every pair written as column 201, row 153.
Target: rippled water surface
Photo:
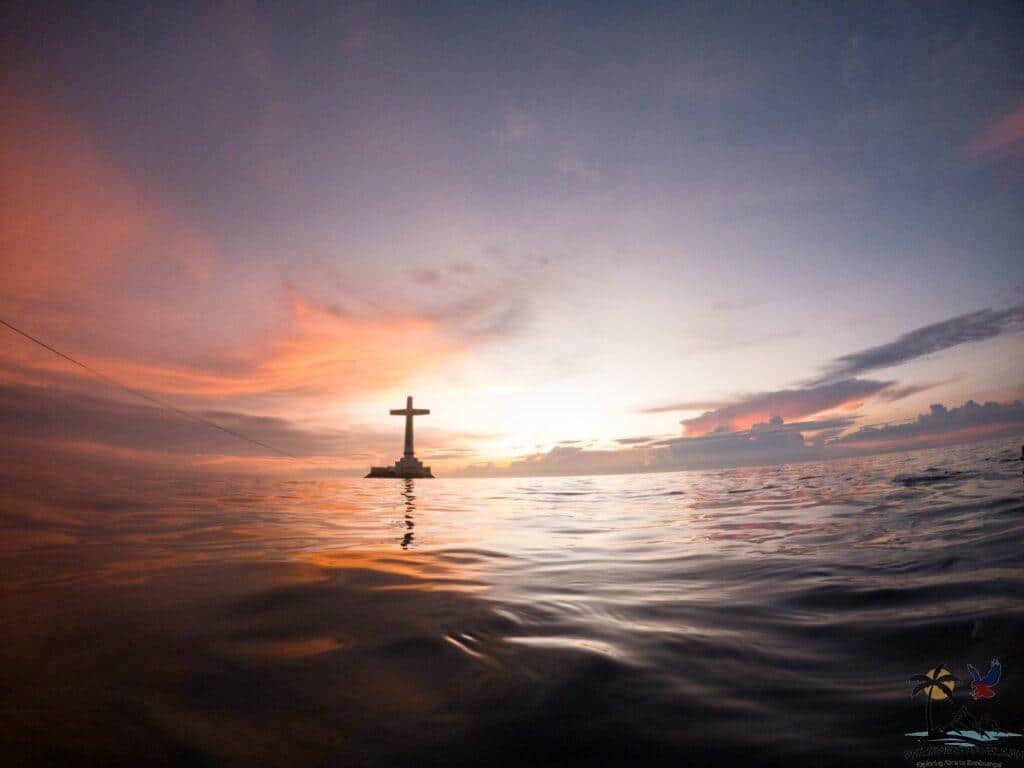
column 738, row 617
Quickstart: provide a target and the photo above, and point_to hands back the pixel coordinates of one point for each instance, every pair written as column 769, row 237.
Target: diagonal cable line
column 145, row 396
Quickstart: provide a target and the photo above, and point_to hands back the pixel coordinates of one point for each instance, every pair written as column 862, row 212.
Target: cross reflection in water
column 410, row 506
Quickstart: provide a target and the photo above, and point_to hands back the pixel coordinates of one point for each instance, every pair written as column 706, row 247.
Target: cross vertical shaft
column 408, row 428
column 409, row 412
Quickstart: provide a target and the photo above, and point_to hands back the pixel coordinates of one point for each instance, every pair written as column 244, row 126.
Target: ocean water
column 766, row 616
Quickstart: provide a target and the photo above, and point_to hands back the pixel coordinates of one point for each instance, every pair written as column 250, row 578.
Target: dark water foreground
column 744, row 617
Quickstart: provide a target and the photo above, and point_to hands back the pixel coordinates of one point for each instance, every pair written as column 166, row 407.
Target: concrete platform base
column 405, row 467
column 392, row 472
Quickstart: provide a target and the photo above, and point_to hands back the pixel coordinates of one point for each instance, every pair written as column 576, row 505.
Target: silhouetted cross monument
column 409, row 412
column 408, row 465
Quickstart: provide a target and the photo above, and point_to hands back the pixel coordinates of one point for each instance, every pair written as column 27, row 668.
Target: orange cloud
column 326, row 353
column 71, row 222
column 99, row 265
column 1005, row 135
column 788, row 404
column 312, row 354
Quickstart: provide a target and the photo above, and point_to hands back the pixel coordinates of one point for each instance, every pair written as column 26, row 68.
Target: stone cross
column 409, row 412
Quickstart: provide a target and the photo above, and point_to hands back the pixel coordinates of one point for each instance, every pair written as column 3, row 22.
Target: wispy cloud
column 963, row 329
column 425, row 275
column 687, row 405
column 572, row 163
column 1005, row 135
column 638, row 440
column 892, row 394
column 517, row 125
column 787, row 404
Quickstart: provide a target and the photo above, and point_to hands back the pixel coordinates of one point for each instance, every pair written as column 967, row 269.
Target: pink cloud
column 788, row 404
column 98, row 264
column 1004, row 136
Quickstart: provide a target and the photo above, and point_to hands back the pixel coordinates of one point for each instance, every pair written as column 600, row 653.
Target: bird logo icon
column 981, row 687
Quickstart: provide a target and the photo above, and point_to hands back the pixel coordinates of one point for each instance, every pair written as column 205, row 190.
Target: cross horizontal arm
column 410, row 412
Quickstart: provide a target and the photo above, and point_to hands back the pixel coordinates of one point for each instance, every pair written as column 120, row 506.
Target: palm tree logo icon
column 937, row 684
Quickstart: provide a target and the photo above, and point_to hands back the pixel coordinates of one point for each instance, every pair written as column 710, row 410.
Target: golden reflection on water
column 410, row 507
column 381, row 612
column 289, row 649
column 462, row 535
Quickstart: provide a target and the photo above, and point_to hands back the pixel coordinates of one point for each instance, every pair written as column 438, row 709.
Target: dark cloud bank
column 775, row 442
column 983, row 420
column 58, row 416
column 61, row 424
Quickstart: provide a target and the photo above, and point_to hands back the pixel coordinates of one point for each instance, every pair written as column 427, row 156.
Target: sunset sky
column 587, row 238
